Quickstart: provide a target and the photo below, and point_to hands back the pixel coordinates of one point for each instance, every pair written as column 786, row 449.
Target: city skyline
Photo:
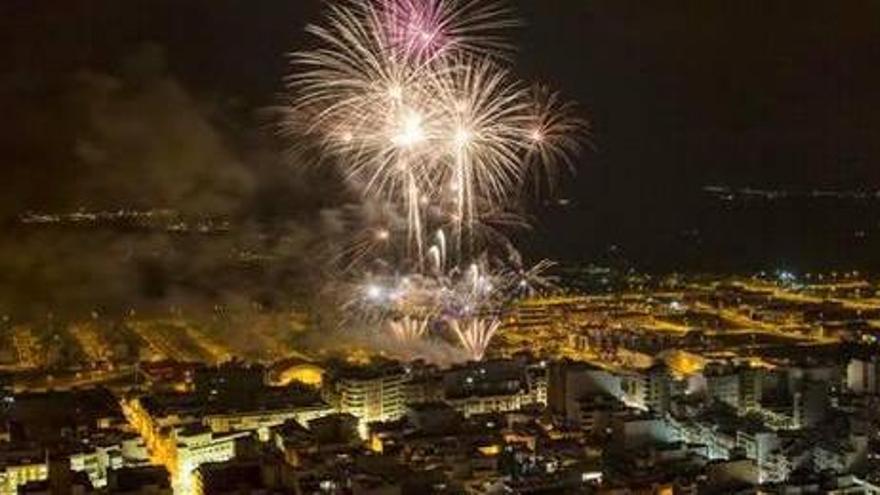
column 356, row 247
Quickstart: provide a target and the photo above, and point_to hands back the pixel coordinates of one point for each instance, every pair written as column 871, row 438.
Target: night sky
column 681, row 94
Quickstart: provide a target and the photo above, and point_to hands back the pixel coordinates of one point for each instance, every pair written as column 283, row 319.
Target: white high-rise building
column 862, row 375
column 371, row 394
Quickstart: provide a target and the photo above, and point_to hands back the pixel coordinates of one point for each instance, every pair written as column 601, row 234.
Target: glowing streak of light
column 475, row 335
column 409, row 329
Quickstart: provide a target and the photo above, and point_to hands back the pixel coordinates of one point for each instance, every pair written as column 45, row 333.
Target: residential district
column 634, row 385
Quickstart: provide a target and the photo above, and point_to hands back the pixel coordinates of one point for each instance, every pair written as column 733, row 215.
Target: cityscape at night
column 381, row 247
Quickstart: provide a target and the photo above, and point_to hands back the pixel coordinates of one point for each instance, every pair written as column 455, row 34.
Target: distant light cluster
column 159, row 219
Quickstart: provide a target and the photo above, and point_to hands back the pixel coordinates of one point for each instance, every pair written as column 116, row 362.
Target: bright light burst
column 453, row 294
column 412, row 100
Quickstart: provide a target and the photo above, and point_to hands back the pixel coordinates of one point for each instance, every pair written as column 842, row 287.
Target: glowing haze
column 413, row 100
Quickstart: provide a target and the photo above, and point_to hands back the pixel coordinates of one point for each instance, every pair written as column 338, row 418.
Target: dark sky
column 681, row 94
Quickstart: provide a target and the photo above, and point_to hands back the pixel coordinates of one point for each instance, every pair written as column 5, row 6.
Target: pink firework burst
column 415, row 28
column 423, row 30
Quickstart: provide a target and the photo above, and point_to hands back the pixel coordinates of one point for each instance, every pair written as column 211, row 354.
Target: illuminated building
column 18, row 468
column 184, row 430
column 493, row 386
column 655, row 389
column 759, row 445
column 736, row 386
column 97, row 463
column 570, row 382
column 196, row 446
column 482, row 403
column 539, row 382
column 863, row 376
column 261, row 420
column 373, row 393
column 258, row 410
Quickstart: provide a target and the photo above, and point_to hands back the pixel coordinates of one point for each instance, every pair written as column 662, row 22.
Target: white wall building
column 97, row 463
column 19, row 468
column 375, row 395
column 862, row 376
column 197, row 446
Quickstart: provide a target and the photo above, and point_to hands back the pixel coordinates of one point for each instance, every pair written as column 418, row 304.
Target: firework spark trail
column 408, row 329
column 413, row 101
column 527, row 281
column 413, row 302
column 484, row 122
column 556, row 135
column 474, row 335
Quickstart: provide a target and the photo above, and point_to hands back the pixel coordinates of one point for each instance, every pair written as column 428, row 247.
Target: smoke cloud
column 125, row 191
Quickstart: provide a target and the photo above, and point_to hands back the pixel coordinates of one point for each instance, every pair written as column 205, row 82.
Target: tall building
column 811, row 404
column 19, row 467
column 863, row 375
column 658, row 388
column 759, row 444
column 737, row 386
column 539, row 382
column 750, row 388
column 570, row 382
column 373, row 393
column 195, row 446
column 650, row 389
column 494, row 386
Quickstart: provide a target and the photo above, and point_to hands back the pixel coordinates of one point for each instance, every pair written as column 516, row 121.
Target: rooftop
column 265, row 399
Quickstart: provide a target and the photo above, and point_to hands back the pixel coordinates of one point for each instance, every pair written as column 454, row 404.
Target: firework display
column 414, row 102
